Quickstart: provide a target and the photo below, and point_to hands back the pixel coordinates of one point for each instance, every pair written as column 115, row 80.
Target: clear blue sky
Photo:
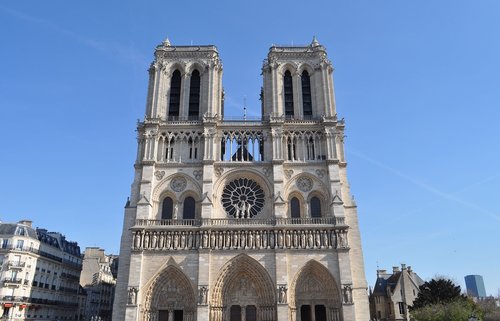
column 418, row 83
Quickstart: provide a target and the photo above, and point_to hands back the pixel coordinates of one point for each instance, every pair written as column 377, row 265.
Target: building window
column 20, row 244
column 194, row 95
column 315, row 207
column 188, row 208
column 288, row 90
column 5, row 243
column 294, row 208
column 167, row 209
column 175, row 95
column 401, row 308
column 306, row 95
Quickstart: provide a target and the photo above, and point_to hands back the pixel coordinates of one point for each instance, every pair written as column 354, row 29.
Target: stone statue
column 132, row 296
column 203, row 291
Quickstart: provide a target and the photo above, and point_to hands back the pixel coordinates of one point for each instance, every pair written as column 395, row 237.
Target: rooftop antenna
column 244, row 107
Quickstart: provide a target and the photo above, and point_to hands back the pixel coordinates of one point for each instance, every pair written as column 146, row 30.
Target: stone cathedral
column 239, row 219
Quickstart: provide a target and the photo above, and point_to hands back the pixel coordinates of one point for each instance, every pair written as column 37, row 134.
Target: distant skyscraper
column 475, row 286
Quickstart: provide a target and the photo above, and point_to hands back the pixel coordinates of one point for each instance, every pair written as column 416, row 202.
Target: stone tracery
column 242, row 198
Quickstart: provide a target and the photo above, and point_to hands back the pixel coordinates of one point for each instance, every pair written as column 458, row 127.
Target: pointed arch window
column 294, row 208
column 188, row 212
column 306, row 95
column 288, row 90
column 175, row 95
column 194, row 95
column 167, row 209
column 315, row 207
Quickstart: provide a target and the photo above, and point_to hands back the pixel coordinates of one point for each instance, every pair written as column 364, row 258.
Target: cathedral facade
column 239, row 219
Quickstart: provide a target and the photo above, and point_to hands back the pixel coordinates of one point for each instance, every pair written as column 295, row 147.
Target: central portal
column 245, row 291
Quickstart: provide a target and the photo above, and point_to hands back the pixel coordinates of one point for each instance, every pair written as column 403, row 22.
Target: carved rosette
column 305, row 184
column 178, row 184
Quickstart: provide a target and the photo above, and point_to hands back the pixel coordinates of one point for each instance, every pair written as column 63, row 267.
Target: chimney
column 409, row 269
column 403, row 266
column 26, row 222
column 381, row 272
column 395, row 269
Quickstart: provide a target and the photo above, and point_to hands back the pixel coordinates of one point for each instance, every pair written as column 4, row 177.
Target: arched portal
column 170, row 297
column 315, row 294
column 243, row 291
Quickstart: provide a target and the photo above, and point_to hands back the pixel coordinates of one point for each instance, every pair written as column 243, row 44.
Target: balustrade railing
column 245, row 222
column 16, row 264
column 12, row 281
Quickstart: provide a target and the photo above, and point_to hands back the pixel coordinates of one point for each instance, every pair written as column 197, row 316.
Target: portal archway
column 315, row 294
column 243, row 291
column 170, row 297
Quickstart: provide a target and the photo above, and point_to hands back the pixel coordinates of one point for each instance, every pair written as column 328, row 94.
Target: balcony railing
column 12, row 281
column 235, row 222
column 16, row 264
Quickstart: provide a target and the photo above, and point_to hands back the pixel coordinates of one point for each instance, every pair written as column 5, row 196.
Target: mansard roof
column 16, row 229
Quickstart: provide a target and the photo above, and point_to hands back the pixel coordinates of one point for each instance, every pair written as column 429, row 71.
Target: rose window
column 243, row 198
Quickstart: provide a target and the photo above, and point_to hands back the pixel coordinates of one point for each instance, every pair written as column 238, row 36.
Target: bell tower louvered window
column 306, row 95
column 194, row 95
column 175, row 95
column 288, row 89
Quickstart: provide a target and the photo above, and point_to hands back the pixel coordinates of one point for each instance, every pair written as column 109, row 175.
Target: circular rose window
column 242, row 198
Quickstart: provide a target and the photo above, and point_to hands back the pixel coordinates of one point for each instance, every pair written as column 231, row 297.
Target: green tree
column 441, row 300
column 437, row 291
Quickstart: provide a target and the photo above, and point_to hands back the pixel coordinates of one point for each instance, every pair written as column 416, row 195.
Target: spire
column 166, row 42
column 245, row 108
column 314, row 42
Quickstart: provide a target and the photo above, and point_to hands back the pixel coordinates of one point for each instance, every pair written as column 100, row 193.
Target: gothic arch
column 163, row 188
column 305, row 66
column 318, row 189
column 170, row 290
column 290, row 66
column 314, row 285
column 170, row 68
column 243, row 281
column 300, row 197
column 196, row 65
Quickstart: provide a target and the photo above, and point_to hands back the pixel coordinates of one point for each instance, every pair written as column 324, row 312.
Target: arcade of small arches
column 235, row 146
column 243, row 291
